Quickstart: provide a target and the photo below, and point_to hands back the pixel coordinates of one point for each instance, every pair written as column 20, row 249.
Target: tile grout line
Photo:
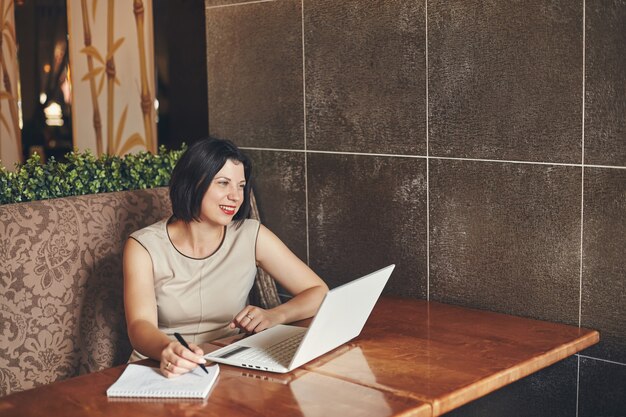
column 601, row 360
column 582, row 179
column 252, row 148
column 577, row 382
column 304, row 121
column 238, row 4
column 582, row 202
column 427, row 162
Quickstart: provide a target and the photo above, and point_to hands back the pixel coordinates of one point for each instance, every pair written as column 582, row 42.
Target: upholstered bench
column 61, row 284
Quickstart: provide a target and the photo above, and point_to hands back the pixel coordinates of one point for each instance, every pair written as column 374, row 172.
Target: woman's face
column 225, row 194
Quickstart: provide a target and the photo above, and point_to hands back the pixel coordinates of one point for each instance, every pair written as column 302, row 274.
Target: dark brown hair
column 195, row 171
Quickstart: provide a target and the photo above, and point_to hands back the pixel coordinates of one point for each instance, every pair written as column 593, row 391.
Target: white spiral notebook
column 146, row 382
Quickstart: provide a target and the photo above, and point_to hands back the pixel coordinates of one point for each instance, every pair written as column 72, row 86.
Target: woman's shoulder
column 247, row 224
column 245, row 227
column 155, row 229
column 254, row 223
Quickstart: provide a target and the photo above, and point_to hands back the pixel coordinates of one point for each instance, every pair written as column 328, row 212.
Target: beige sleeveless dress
column 198, row 298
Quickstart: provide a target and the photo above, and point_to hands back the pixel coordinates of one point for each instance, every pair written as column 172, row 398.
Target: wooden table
column 413, row 358
column 446, row 355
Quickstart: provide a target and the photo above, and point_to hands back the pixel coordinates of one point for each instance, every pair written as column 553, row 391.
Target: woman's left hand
column 254, row 319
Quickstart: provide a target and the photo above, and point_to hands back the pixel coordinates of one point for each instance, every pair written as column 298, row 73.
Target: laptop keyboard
column 279, row 353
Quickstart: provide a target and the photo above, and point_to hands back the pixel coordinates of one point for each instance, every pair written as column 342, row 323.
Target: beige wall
column 122, row 101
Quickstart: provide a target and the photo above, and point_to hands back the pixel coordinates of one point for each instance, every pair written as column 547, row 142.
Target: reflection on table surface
column 448, row 355
column 434, row 359
column 237, row 392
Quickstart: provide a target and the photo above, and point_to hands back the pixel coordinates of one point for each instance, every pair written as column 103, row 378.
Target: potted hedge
column 83, row 173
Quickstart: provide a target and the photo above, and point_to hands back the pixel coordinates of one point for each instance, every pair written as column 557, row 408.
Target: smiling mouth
column 229, row 210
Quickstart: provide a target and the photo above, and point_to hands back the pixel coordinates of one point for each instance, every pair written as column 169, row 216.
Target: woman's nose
column 234, row 194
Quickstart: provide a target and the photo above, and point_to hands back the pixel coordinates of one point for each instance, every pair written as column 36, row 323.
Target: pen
column 182, row 342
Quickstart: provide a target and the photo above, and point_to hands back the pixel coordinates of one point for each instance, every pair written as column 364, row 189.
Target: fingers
column 194, row 357
column 197, row 350
column 246, row 319
column 177, row 359
column 252, row 319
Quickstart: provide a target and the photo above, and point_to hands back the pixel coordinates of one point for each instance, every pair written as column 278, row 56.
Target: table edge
column 500, row 379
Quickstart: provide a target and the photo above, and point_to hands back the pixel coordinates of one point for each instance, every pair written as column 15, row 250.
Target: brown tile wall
column 478, row 145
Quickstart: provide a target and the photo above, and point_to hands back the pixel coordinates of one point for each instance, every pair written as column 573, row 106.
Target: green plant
column 84, row 173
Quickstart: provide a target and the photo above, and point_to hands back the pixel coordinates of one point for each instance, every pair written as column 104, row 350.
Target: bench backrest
column 61, row 304
column 61, row 284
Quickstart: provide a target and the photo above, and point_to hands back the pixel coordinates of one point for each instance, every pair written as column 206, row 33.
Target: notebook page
column 144, row 381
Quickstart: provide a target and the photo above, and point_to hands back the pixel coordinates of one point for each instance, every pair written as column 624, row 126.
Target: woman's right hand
column 177, row 359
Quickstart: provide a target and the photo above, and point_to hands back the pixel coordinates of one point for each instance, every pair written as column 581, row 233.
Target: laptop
column 340, row 318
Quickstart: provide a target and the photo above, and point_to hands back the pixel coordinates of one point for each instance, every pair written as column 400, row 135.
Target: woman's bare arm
column 294, row 275
column 141, row 315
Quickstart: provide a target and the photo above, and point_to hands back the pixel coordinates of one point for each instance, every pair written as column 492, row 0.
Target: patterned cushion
column 61, row 305
column 61, row 284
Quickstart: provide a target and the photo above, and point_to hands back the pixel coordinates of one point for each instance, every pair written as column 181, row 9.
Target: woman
column 192, row 273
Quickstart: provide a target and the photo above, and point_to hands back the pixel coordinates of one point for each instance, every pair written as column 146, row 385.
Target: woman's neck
column 196, row 239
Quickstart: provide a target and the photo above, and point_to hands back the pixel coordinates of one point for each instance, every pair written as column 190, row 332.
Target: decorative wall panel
column 111, row 56
column 10, row 134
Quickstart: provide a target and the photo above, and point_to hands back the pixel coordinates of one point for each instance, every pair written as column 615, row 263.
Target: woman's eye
column 223, row 182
